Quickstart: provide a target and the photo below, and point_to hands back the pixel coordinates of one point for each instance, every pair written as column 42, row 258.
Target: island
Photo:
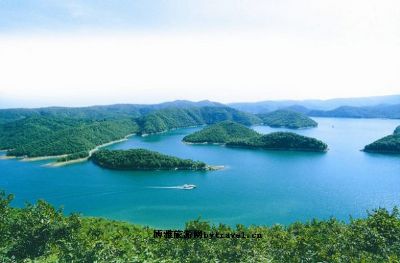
column 282, row 141
column 387, row 144
column 287, row 119
column 222, row 132
column 142, row 159
column 237, row 135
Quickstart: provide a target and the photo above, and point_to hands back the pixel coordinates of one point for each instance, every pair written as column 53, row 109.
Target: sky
column 76, row 53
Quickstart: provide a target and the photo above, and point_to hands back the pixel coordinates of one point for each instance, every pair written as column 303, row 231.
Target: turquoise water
column 256, row 187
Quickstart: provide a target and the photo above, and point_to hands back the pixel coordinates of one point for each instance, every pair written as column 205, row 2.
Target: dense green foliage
column 288, row 119
column 74, row 156
column 141, row 159
column 397, row 130
column 87, row 113
column 282, row 141
column 387, row 144
column 21, row 132
column 59, row 131
column 170, row 118
column 222, row 132
column 40, row 233
column 234, row 134
column 69, row 137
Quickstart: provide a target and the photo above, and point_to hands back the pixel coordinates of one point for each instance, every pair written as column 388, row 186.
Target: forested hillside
column 59, row 130
column 169, row 118
column 100, row 112
column 74, row 137
column 387, row 144
column 141, row 159
column 40, row 233
column 222, row 132
column 24, row 131
column 288, row 119
column 282, row 141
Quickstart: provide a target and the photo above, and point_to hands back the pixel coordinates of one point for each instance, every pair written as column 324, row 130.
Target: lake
column 256, row 187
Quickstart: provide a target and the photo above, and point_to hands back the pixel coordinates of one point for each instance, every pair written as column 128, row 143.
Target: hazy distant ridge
column 331, row 104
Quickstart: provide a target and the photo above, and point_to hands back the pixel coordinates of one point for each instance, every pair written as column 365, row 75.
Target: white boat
column 188, row 186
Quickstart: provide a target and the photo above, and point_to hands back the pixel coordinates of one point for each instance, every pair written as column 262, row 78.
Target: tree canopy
column 222, row 132
column 282, row 141
column 288, row 119
column 141, row 159
column 40, row 233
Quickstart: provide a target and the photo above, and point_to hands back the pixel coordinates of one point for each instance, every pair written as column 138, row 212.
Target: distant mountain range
column 325, row 105
column 378, row 111
column 368, row 107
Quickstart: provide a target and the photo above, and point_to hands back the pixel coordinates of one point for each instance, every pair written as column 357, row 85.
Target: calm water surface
column 256, row 187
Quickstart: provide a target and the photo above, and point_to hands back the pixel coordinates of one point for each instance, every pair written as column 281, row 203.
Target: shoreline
column 215, row 167
column 6, row 157
column 32, row 159
column 58, row 164
column 206, row 168
column 255, row 147
column 204, row 143
column 278, row 149
column 381, row 152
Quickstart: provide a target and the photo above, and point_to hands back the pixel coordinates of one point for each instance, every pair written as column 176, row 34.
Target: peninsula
column 387, row 144
column 141, row 159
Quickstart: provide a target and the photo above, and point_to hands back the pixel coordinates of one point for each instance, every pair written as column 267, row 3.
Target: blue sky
column 47, row 15
column 99, row 52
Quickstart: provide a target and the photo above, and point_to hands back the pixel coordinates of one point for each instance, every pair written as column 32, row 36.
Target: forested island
column 222, row 132
column 387, row 144
column 287, row 119
column 41, row 233
column 237, row 135
column 141, row 159
column 282, row 141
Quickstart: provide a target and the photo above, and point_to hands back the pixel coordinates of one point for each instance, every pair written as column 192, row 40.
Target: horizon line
column 202, row 100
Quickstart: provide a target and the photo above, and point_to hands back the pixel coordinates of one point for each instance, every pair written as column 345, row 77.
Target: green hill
column 170, row 118
column 141, row 159
column 288, row 119
column 222, row 132
column 73, row 137
column 387, row 144
column 282, row 141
